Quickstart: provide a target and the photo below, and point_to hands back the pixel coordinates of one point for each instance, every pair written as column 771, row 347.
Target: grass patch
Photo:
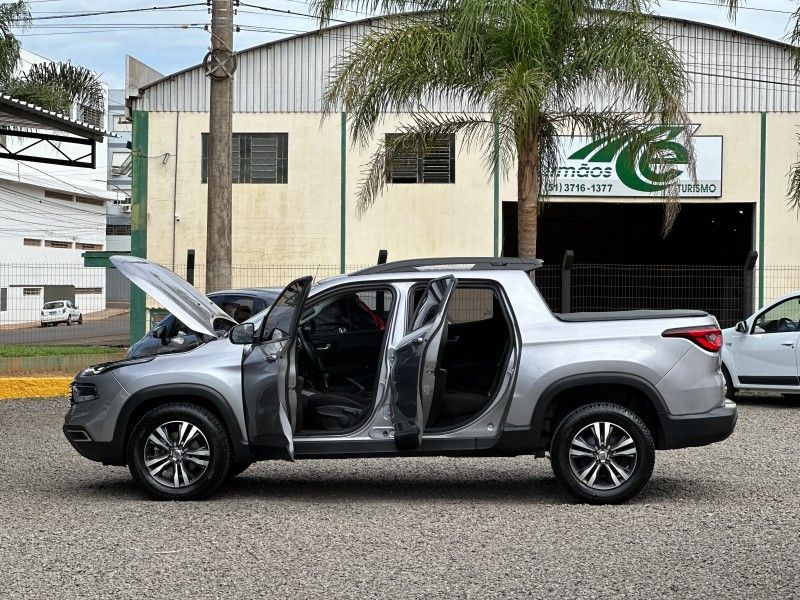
column 15, row 351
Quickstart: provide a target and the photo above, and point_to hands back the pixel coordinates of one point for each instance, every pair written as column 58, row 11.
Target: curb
column 33, row 387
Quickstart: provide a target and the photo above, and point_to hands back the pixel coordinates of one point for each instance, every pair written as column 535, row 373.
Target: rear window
column 51, row 305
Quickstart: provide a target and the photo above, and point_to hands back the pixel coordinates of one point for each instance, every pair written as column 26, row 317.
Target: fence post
column 748, row 301
column 566, row 281
column 190, row 266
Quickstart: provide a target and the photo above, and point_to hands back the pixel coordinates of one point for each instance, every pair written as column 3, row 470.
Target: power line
column 114, row 12
column 286, row 12
column 755, row 8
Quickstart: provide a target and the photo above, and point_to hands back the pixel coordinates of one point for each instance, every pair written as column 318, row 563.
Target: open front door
column 415, row 364
column 269, row 377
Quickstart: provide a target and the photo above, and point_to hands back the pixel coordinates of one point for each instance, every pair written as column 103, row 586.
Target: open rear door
column 269, row 376
column 415, row 364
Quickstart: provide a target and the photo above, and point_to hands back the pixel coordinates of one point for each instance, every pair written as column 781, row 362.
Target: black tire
column 730, row 391
column 214, row 434
column 641, row 467
column 68, row 321
column 238, row 468
column 80, row 319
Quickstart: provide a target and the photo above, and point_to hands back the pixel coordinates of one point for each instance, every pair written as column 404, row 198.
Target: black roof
column 491, row 263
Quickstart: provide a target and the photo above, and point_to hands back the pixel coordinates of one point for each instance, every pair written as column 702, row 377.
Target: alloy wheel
column 176, row 454
column 602, row 455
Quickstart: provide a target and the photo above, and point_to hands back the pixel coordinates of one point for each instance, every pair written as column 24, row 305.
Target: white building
column 50, row 214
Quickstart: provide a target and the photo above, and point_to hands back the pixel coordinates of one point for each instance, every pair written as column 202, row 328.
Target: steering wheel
column 311, row 352
column 783, row 322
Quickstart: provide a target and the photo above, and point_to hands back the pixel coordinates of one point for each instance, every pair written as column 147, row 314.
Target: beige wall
column 299, row 223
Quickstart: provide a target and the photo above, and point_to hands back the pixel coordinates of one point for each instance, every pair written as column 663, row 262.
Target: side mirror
column 159, row 332
column 244, row 333
column 741, row 327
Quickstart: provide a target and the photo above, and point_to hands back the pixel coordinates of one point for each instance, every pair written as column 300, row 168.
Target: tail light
column 708, row 338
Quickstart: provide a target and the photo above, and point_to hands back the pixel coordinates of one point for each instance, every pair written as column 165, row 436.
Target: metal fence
column 101, row 297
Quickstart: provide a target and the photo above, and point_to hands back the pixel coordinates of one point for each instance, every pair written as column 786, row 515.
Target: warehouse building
column 296, row 175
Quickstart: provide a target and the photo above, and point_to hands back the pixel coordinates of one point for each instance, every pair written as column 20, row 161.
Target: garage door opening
column 703, row 234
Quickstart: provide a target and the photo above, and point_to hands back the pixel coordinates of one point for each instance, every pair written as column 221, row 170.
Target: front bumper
column 103, row 452
column 683, row 431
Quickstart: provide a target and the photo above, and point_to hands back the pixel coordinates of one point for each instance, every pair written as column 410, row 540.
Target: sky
column 172, row 39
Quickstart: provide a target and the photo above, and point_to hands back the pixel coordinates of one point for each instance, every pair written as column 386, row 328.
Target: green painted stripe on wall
column 139, row 159
column 343, row 197
column 762, row 194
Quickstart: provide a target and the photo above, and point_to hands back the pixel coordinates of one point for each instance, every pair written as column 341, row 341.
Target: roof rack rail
column 491, row 263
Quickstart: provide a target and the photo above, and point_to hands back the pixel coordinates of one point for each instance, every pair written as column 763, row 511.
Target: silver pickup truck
column 455, row 357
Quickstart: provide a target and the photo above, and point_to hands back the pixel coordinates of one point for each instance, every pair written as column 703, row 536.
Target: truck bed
column 628, row 315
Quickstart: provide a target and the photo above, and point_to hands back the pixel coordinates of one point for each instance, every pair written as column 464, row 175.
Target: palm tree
column 55, row 86
column 524, row 71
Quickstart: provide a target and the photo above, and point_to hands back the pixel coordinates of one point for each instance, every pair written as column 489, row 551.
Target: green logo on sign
column 633, row 166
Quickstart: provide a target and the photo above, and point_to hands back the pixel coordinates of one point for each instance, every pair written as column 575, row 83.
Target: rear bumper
column 54, row 318
column 685, row 431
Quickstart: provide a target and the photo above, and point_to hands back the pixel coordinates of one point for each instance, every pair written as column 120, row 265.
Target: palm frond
column 79, row 83
column 793, row 193
column 398, row 70
column 12, row 14
column 324, row 9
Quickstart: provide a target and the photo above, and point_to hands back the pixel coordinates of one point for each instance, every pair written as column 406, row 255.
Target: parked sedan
column 61, row 311
column 760, row 353
column 171, row 335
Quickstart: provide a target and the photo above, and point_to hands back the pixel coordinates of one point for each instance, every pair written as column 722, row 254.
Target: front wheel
column 179, row 452
column 602, row 454
column 80, row 319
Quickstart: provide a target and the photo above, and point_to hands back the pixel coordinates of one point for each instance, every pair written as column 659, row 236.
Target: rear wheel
column 69, row 320
column 602, row 454
column 80, row 319
column 179, row 452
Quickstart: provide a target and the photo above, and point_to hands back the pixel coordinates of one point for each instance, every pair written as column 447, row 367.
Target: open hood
column 179, row 297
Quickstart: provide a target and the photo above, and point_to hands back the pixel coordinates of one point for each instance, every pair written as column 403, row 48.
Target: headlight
column 83, row 392
column 110, row 366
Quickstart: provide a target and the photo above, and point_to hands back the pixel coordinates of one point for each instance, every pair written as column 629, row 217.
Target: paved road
column 110, row 331
column 722, row 521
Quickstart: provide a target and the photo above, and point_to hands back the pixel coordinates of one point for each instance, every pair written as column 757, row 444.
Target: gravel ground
column 714, row 521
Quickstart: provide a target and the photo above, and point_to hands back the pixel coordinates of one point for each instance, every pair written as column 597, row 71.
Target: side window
column 469, row 304
column 279, row 322
column 239, row 308
column 350, row 313
column 784, row 317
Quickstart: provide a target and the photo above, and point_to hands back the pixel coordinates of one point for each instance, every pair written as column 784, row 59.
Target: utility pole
column 219, row 65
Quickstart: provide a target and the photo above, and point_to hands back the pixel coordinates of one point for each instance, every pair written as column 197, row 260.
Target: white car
column 61, row 311
column 760, row 353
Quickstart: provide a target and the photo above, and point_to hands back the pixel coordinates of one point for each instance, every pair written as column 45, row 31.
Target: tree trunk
column 528, row 193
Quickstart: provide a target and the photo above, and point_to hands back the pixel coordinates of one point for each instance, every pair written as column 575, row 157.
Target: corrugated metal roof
column 729, row 71
column 18, row 113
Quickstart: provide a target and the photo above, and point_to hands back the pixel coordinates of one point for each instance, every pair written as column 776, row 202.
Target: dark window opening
column 413, row 163
column 342, row 339
column 474, row 356
column 255, row 158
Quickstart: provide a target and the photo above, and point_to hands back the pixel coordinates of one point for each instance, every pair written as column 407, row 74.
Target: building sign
column 618, row 167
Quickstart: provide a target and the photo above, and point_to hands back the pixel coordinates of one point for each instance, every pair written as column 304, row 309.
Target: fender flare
column 545, row 401
column 122, row 429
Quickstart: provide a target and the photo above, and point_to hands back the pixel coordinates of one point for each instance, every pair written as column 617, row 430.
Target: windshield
column 54, row 305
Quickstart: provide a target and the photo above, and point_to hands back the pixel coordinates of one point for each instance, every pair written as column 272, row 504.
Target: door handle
column 788, row 344
column 324, row 347
column 271, row 358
